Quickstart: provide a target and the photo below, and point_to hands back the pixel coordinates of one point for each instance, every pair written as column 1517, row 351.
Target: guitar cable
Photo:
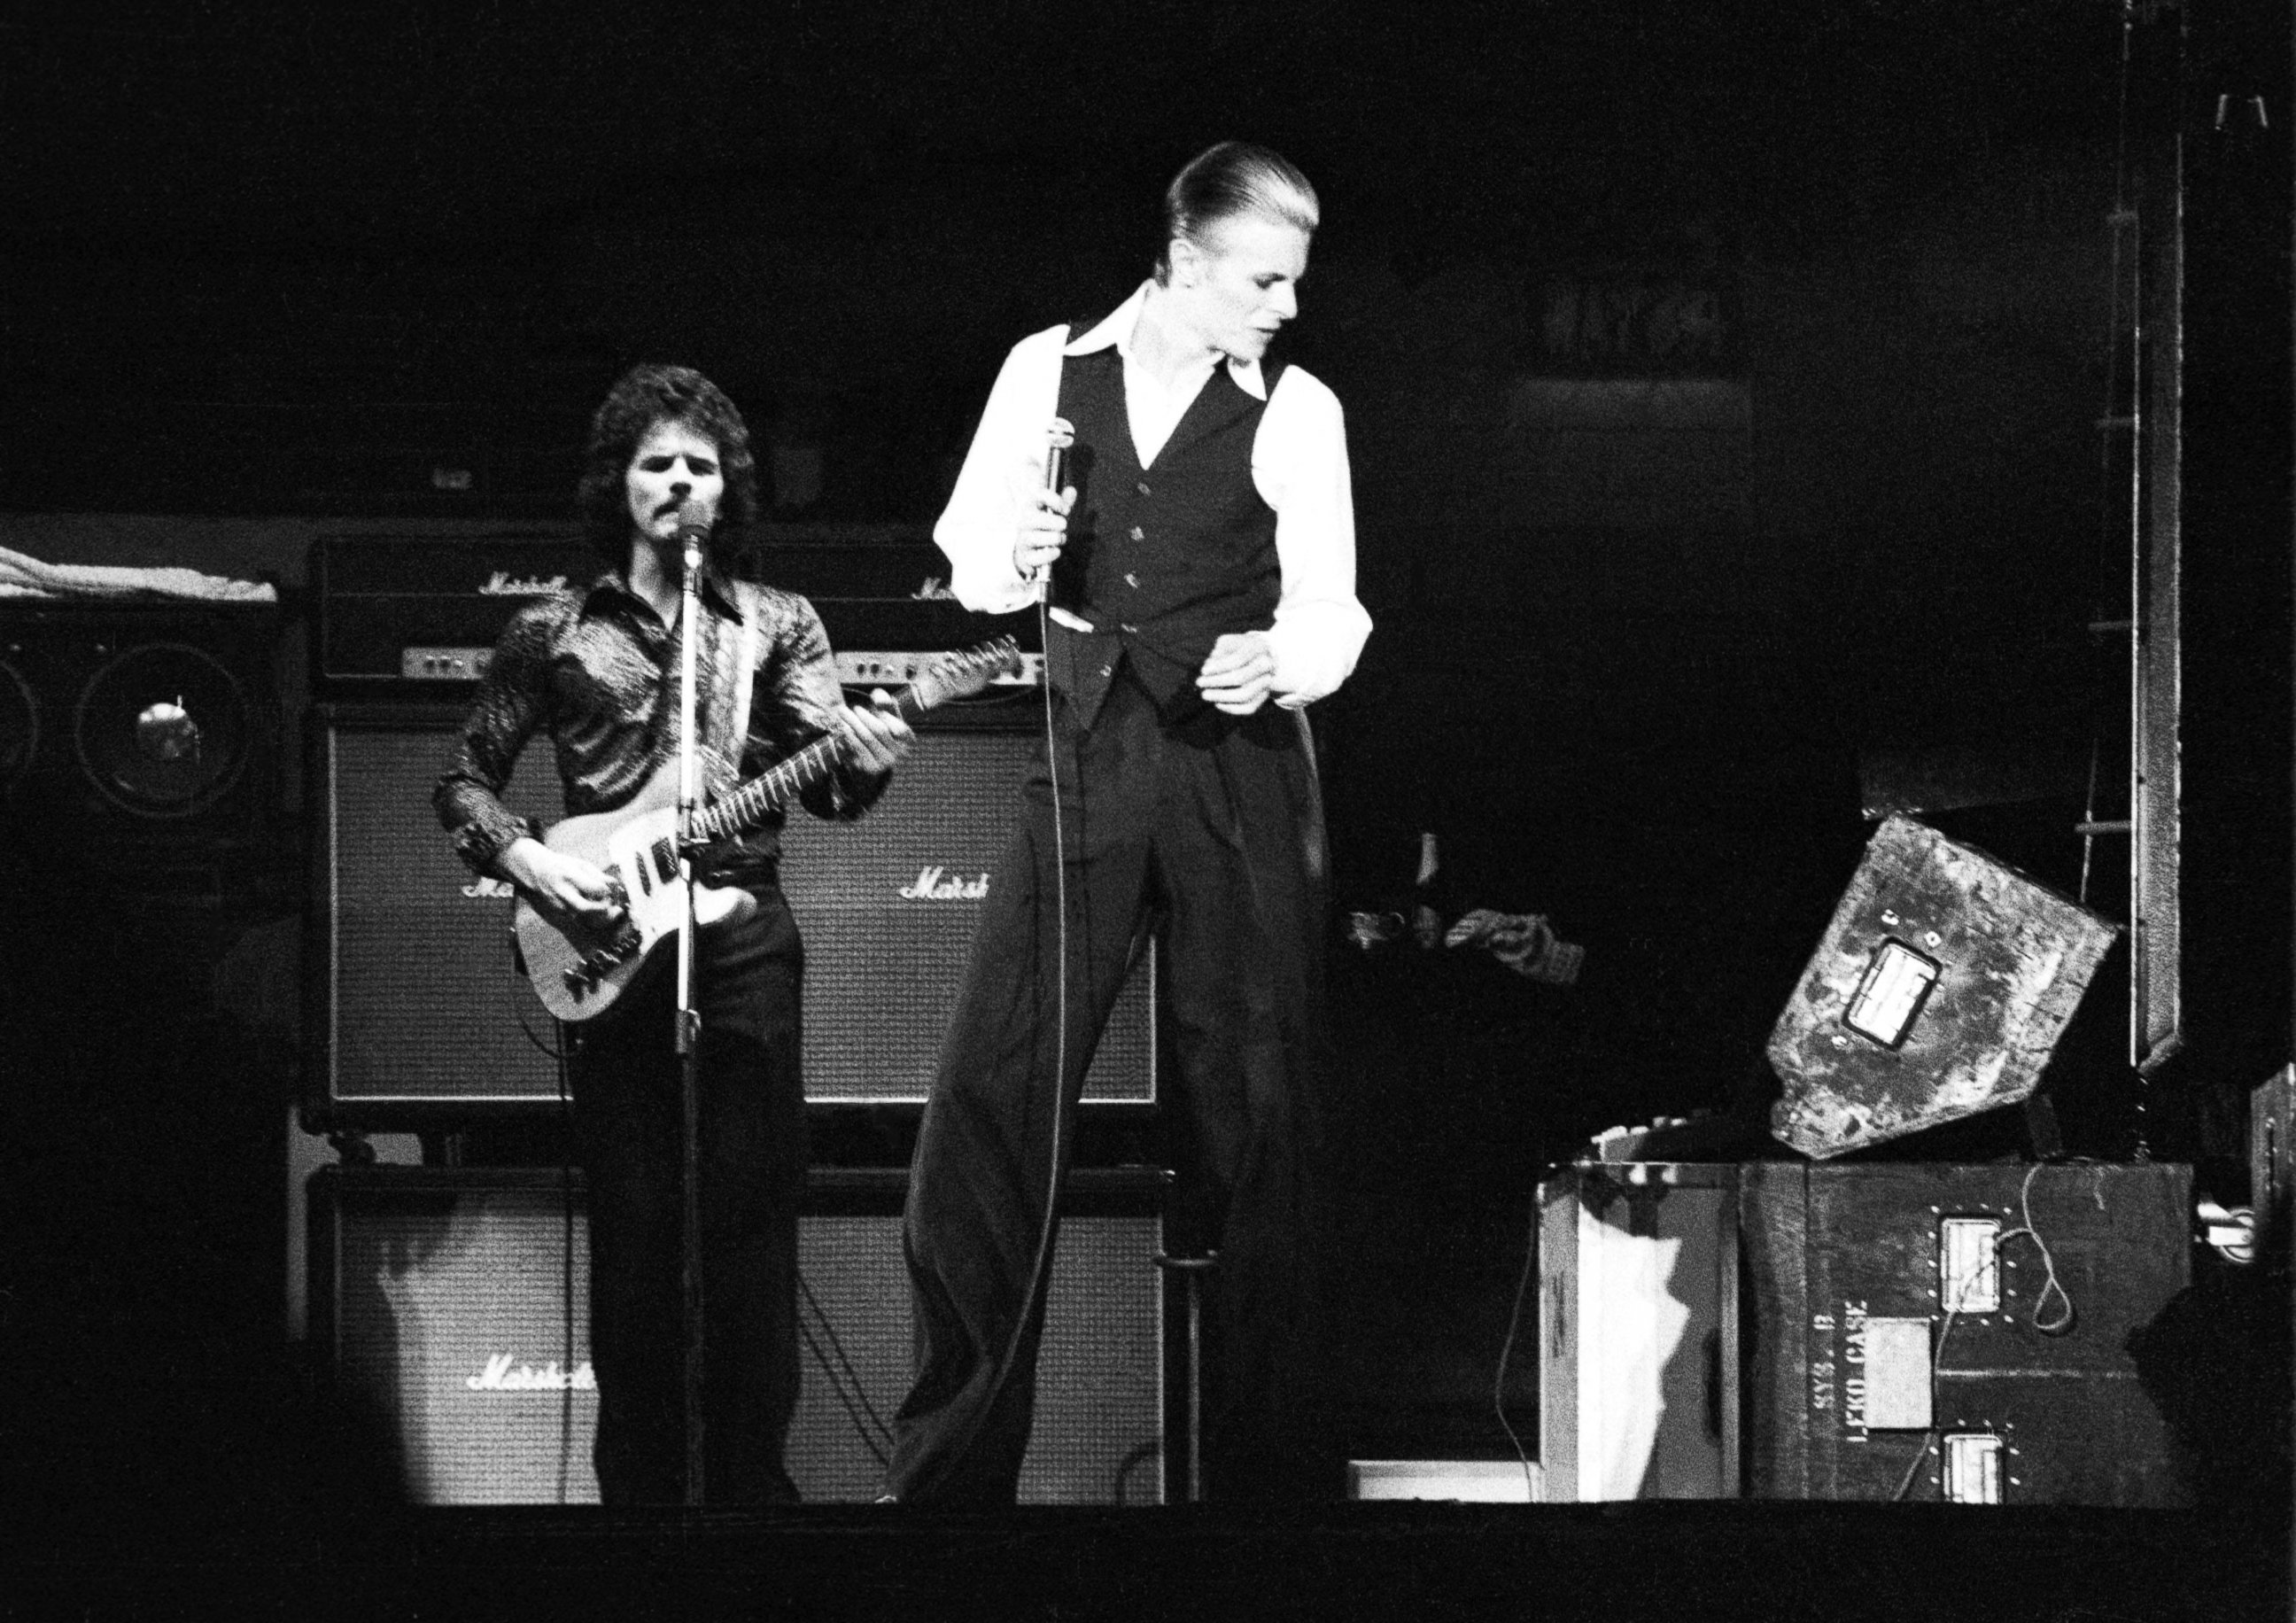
column 565, row 1254
column 560, row 1055
column 845, row 1383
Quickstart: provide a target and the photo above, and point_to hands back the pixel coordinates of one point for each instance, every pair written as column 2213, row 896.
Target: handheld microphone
column 1058, row 439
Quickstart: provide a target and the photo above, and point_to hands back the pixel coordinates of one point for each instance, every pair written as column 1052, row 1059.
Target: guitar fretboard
column 778, row 785
column 771, row 789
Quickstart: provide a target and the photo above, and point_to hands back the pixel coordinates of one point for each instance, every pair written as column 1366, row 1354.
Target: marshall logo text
column 502, row 583
column 501, row 1376
column 939, row 885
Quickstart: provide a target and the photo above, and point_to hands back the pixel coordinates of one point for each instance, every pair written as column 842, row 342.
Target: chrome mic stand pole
column 689, row 1014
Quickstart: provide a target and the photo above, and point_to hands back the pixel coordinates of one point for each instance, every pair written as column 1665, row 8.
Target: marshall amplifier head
column 412, row 617
column 408, row 618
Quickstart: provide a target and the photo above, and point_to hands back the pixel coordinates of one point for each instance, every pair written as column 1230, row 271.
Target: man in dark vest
column 1199, row 564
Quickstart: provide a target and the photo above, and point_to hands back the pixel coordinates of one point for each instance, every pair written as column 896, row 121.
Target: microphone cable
column 1040, row 1270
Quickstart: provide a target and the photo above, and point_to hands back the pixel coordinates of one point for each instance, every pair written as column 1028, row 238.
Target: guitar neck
column 778, row 785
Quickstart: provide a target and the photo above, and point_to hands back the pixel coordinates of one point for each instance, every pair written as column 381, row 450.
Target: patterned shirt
column 598, row 671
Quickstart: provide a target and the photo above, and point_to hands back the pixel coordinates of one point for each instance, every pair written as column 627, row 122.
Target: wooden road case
column 1902, row 1330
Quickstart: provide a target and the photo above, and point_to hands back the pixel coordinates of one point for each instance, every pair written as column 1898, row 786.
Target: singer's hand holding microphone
column 1044, row 518
column 1044, row 531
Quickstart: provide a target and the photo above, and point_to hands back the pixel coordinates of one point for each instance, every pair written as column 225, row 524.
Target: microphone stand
column 689, row 1013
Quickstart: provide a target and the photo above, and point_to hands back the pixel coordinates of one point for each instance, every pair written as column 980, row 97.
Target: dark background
column 1724, row 388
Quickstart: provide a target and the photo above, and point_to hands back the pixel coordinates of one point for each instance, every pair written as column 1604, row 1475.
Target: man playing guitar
column 597, row 668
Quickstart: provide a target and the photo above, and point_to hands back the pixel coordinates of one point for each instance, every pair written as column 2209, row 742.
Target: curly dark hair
column 643, row 397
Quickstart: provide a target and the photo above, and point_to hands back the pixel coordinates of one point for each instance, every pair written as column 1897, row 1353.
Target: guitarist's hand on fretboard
column 574, row 895
column 877, row 738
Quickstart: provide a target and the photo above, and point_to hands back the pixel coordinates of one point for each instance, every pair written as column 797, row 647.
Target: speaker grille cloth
column 426, row 1006
column 436, row 1291
column 881, row 968
column 426, row 1003
column 1099, row 1381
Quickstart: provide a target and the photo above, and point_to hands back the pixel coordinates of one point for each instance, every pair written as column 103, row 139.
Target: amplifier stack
column 450, row 1300
column 417, row 1014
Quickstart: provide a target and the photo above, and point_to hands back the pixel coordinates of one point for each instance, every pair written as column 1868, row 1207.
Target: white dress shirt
column 1299, row 465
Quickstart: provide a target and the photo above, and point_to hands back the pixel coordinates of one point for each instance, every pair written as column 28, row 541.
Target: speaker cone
column 163, row 731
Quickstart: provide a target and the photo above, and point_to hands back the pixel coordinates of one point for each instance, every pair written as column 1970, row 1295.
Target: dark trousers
column 1207, row 835
column 629, row 1116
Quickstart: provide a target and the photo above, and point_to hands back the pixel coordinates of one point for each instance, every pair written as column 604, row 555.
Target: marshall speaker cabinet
column 888, row 904
column 418, row 1014
column 1898, row 1330
column 450, row 1307
column 416, row 1010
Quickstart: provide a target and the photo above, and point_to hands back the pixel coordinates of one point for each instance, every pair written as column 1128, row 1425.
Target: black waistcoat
column 1166, row 560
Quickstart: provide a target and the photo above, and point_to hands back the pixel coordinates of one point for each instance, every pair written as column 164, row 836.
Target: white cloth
column 24, row 576
column 1299, row 465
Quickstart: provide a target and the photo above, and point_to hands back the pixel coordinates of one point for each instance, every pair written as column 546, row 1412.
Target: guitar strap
column 746, row 598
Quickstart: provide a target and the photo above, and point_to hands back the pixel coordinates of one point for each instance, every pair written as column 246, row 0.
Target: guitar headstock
column 963, row 674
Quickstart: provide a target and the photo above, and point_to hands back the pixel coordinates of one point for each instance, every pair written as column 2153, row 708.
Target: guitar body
column 636, row 846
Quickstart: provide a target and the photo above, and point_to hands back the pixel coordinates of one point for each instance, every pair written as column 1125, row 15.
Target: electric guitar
column 578, row 976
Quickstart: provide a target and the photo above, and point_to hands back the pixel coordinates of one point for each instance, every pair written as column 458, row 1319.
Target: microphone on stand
column 693, row 534
column 1058, row 439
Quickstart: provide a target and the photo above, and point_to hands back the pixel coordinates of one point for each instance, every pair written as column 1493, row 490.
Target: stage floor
column 1873, row 1563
